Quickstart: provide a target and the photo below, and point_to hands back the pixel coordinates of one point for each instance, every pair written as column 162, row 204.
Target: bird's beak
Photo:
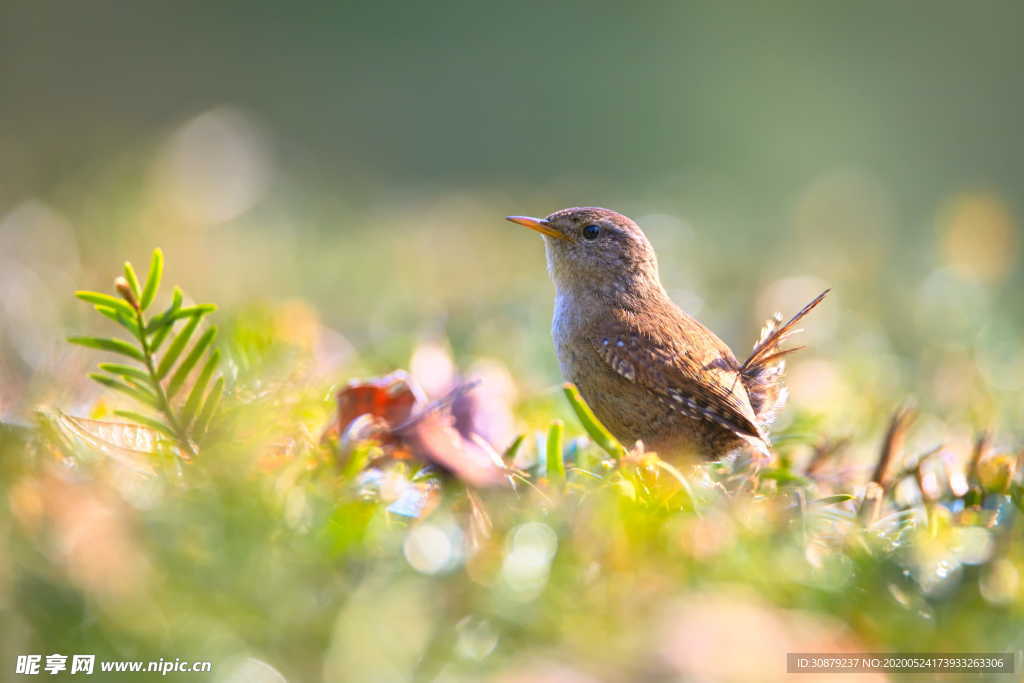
column 538, row 224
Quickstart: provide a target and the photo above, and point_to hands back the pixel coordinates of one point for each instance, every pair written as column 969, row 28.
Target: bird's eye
column 591, row 232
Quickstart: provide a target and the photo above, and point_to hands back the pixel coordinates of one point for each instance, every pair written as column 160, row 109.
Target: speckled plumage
column 649, row 370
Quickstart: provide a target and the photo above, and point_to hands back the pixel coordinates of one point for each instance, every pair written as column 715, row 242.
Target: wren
column 648, row 370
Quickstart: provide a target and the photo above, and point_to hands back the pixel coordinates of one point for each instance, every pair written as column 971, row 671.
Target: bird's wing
column 703, row 388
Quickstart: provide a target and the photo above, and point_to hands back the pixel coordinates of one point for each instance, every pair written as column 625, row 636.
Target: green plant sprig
column 154, row 384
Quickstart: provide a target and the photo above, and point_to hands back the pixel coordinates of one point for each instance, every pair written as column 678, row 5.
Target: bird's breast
column 578, row 360
column 565, row 328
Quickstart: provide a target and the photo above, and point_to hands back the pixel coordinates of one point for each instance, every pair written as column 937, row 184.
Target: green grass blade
column 555, row 452
column 148, row 422
column 678, row 476
column 784, row 477
column 176, row 347
column 135, row 391
column 510, row 453
column 832, row 500
column 357, row 459
column 112, row 345
column 181, row 374
column 100, row 299
column 133, row 279
column 156, row 271
column 209, row 408
column 597, row 431
column 196, row 395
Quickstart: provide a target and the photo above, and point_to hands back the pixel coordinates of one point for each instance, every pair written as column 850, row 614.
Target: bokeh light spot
column 215, row 167
column 428, row 549
column 979, row 238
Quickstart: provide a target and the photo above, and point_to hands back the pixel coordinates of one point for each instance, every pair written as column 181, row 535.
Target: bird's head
column 596, row 249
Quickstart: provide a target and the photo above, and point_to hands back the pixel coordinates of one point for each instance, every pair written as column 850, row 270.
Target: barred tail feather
column 762, row 371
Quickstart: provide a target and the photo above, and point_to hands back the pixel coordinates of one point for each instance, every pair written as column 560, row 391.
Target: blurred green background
column 361, row 155
column 339, row 172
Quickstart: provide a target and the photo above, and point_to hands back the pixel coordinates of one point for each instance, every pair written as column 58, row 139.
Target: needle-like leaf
column 165, row 326
column 156, row 270
column 126, row 371
column 133, row 390
column 158, row 339
column 199, row 310
column 112, row 345
column 196, row 395
column 133, row 279
column 149, row 422
column 101, row 299
column 175, row 313
column 160, row 319
column 164, row 323
column 176, row 347
column 209, row 408
column 120, row 318
column 190, row 361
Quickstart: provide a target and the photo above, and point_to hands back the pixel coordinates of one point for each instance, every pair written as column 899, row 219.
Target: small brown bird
column 650, row 371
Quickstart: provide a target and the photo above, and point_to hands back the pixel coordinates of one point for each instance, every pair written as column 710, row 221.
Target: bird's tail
column 762, row 372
